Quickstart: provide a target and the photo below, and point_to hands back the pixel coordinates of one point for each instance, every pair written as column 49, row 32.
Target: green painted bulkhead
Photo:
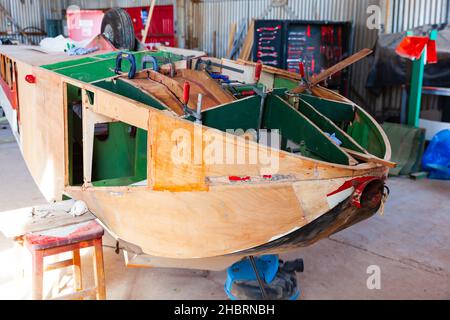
column 120, row 150
column 354, row 122
column 278, row 115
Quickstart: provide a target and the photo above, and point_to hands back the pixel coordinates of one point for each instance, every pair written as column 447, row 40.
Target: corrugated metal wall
column 33, row 13
column 90, row 4
column 29, row 13
column 211, row 16
column 404, row 15
column 216, row 15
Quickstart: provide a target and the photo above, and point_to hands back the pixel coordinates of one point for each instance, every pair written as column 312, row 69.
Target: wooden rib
column 213, row 94
column 159, row 91
column 336, row 68
column 370, row 158
column 273, row 70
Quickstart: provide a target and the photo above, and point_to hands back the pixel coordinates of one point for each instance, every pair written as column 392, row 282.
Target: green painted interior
column 241, row 114
column 70, row 63
column 280, row 82
column 335, row 111
column 94, row 68
column 328, row 126
column 297, row 128
column 118, row 160
column 75, row 142
column 367, row 134
column 119, row 155
column 127, row 90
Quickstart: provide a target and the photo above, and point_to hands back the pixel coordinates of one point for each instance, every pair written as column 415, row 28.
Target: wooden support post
column 149, row 20
column 99, row 272
column 37, row 276
column 78, row 281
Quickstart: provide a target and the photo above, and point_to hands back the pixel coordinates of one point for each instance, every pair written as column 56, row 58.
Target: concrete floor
column 410, row 244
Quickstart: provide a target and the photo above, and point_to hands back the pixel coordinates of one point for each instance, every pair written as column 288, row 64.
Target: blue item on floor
column 279, row 279
column 436, row 159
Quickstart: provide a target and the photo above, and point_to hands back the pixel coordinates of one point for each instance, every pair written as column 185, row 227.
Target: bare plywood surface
column 197, row 224
column 200, row 82
column 34, row 56
column 159, row 91
column 42, row 129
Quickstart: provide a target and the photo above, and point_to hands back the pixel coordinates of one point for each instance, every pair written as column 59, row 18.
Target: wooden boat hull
column 190, row 214
column 235, row 219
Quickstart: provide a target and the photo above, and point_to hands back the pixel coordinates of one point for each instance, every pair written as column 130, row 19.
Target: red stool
column 71, row 238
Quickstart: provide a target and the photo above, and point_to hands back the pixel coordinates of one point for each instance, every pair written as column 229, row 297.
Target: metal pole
column 258, row 278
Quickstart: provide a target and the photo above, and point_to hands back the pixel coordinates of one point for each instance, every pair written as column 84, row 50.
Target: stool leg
column 99, row 272
column 37, row 275
column 78, row 281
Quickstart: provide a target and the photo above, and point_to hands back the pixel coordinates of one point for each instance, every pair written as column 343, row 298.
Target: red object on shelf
column 30, row 78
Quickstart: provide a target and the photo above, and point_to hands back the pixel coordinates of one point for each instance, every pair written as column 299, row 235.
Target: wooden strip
column 233, row 28
column 149, row 20
column 336, row 68
column 246, row 49
column 370, row 158
column 272, row 70
column 78, row 295
column 59, row 265
column 159, row 91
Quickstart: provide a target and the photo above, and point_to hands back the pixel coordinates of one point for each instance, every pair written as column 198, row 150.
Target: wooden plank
column 336, row 68
column 16, row 223
column 370, row 158
column 232, row 34
column 99, row 270
column 78, row 295
column 200, row 82
column 273, row 70
column 159, row 91
column 164, row 172
column 149, row 21
column 247, row 47
column 119, row 108
column 42, row 129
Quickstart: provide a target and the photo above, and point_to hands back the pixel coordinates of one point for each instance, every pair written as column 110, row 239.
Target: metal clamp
column 152, row 60
column 131, row 59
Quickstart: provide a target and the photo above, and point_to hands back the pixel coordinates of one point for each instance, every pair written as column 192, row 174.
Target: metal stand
column 258, row 278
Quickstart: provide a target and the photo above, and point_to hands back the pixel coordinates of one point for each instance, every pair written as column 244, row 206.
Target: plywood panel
column 197, row 224
column 42, row 129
